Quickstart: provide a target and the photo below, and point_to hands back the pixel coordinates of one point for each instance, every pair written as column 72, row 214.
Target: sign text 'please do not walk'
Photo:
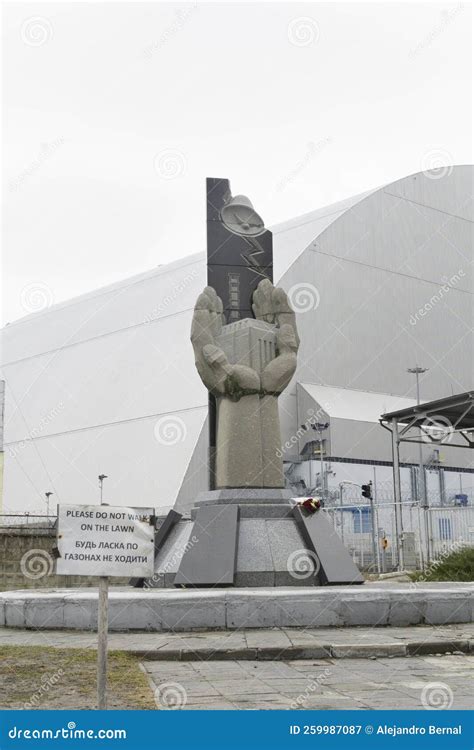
column 105, row 540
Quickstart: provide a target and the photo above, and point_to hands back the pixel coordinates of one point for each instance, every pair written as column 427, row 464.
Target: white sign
column 102, row 540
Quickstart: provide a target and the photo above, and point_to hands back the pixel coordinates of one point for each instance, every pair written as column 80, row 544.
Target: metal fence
column 370, row 535
column 26, row 520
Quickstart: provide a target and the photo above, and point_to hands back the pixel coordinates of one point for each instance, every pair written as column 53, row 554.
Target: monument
column 246, row 365
column 246, row 530
column 239, row 256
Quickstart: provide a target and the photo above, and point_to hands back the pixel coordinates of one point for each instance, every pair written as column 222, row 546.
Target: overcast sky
column 114, row 114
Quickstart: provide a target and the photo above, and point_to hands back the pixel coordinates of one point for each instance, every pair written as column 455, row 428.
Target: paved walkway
column 397, row 683
column 263, row 644
column 347, row 668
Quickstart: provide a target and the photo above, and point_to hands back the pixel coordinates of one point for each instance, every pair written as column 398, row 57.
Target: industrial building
column 382, row 282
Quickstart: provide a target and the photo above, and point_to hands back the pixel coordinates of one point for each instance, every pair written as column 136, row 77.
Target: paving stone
column 354, row 687
column 353, row 650
column 429, row 646
column 267, row 639
column 210, row 706
column 247, row 686
column 227, row 645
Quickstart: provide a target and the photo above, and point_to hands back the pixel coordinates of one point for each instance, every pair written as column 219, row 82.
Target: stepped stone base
column 263, row 551
column 268, row 544
column 268, row 540
column 272, row 545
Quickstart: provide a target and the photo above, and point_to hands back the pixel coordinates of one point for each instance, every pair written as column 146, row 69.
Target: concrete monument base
column 267, row 537
column 177, row 610
column 250, row 537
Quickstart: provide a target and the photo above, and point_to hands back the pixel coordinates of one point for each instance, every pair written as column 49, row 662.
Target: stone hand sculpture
column 271, row 305
column 218, row 375
column 248, row 428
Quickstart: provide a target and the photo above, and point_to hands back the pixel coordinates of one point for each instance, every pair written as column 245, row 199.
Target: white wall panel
column 156, row 294
column 136, row 372
column 145, row 462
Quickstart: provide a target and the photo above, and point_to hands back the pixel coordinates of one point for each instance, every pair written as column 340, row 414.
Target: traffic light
column 367, row 490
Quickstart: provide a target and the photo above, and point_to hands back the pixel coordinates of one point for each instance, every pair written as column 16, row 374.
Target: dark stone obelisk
column 237, row 260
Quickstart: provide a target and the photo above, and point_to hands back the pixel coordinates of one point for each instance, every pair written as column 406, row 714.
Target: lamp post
column 47, row 496
column 101, row 485
column 417, row 371
column 423, row 495
column 341, row 504
column 320, row 427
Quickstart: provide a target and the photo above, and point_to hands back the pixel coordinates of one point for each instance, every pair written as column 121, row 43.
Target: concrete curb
column 312, row 651
column 174, row 610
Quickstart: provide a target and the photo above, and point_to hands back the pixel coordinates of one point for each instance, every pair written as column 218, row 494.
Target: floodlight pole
column 398, row 494
column 101, row 486
column 423, row 498
column 417, row 371
column 320, row 427
column 47, row 496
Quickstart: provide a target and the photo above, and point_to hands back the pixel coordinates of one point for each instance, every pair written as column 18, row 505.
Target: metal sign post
column 105, row 541
column 102, row 633
column 102, row 627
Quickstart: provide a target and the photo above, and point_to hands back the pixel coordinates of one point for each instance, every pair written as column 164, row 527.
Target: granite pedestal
column 272, row 544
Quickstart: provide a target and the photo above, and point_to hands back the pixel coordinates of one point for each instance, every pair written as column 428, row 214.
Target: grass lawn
column 458, row 566
column 44, row 677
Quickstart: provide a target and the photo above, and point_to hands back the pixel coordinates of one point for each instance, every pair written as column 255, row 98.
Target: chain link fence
column 370, row 533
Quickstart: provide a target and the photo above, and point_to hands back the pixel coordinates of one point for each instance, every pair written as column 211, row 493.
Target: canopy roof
column 348, row 403
column 438, row 419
